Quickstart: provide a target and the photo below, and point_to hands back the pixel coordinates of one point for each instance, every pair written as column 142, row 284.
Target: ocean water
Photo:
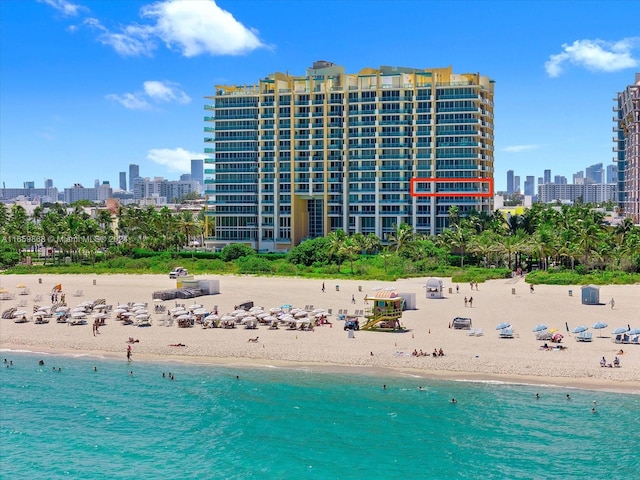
column 272, row 423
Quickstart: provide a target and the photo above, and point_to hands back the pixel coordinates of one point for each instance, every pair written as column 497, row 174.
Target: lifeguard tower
column 385, row 312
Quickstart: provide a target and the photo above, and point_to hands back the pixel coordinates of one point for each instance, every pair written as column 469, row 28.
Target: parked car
column 178, row 272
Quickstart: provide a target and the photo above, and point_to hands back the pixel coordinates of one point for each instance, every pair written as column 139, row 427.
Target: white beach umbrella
column 194, row 306
column 269, row 318
column 158, row 300
column 127, row 314
column 300, row 314
column 275, row 309
column 184, row 317
column 139, row 304
column 318, row 310
column 227, row 318
column 249, row 319
column 263, row 315
column 142, row 310
column 41, row 313
column 240, row 314
column 19, row 313
column 78, row 315
column 201, row 311
column 176, row 309
column 120, row 310
column 123, row 306
column 212, row 317
column 142, row 316
column 237, row 311
column 102, row 306
column 62, row 309
column 99, row 316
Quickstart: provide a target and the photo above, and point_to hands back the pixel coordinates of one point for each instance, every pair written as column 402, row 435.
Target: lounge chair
column 584, row 337
column 78, row 293
column 506, row 333
column 635, row 340
column 479, row 332
column 472, row 332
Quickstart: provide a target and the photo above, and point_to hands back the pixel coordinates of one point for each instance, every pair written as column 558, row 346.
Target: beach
column 329, row 347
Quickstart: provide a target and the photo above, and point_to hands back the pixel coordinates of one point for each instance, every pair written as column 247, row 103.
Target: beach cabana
column 590, row 295
column 434, row 288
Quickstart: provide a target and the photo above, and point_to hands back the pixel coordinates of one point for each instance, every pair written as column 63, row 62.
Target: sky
column 89, row 87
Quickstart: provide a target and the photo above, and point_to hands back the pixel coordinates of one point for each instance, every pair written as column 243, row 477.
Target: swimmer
column 95, row 369
column 568, row 397
column 593, row 409
column 453, row 400
column 384, row 387
column 41, row 362
column 537, row 395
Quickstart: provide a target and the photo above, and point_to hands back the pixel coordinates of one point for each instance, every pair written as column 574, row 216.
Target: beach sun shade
column 619, row 330
column 539, row 328
column 503, row 325
column 599, row 325
column 634, row 331
column 580, row 329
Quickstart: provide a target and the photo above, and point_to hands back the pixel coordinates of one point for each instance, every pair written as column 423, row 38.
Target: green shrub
column 235, row 251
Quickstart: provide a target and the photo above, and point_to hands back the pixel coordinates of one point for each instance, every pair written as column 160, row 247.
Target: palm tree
column 402, row 240
column 335, row 245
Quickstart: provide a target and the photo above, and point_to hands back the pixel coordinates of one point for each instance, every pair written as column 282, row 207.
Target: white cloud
column 165, row 92
column 63, row 6
column 153, row 91
column 520, row 148
column 190, row 27
column 176, row 160
column 131, row 101
column 594, row 55
column 200, row 27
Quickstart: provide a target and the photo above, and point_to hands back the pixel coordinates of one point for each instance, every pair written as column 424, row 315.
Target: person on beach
column 466, row 301
column 457, row 288
column 603, row 362
column 322, row 287
column 128, row 353
column 470, row 302
column 612, row 303
column 353, row 299
column 531, row 288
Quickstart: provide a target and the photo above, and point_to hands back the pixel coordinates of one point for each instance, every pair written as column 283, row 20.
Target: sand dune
column 485, row 357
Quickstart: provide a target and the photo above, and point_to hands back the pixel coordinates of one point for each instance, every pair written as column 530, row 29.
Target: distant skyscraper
column 578, row 178
column 516, row 184
column 197, row 171
column 185, row 177
column 134, row 172
column 530, row 185
column 123, row 181
column 509, row 182
column 547, row 176
column 541, row 180
column 560, row 180
column 594, row 173
column 96, row 183
column 29, row 185
column 612, row 173
column 48, row 183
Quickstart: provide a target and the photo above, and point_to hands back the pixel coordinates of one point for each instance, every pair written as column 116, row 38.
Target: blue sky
column 88, row 87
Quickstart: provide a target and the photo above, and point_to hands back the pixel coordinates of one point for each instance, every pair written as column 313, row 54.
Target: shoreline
column 631, row 388
column 486, row 357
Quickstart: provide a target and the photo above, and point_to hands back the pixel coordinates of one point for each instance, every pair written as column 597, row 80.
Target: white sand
column 466, row 357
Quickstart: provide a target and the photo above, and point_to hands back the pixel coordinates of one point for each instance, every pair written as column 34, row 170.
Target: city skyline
column 132, row 92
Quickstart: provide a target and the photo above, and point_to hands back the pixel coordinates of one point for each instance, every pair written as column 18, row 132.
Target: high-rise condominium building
column 297, row 157
column 197, row 171
column 134, row 172
column 530, row 185
column 547, row 176
column 627, row 141
column 123, row 181
column 510, row 185
column 594, row 174
column 516, row 184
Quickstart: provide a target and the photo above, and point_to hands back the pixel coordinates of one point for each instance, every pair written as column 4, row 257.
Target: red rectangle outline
column 451, row 180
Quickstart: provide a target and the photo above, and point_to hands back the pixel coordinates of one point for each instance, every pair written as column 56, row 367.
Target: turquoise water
column 289, row 424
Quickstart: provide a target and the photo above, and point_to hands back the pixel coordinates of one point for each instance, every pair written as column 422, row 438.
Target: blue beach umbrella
column 580, row 329
column 619, row 330
column 503, row 325
column 539, row 328
column 599, row 325
column 634, row 331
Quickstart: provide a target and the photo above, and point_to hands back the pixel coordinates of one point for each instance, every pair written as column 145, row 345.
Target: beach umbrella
column 157, row 300
column 580, row 329
column 634, row 331
column 126, row 307
column 212, row 317
column 200, row 311
column 183, row 317
column 142, row 316
column 539, row 328
column 100, row 307
column 503, row 325
column 139, row 304
column 318, row 310
column 78, row 315
column 41, row 313
column 269, row 318
column 300, row 314
column 99, row 316
column 127, row 314
column 275, row 309
column 120, row 310
column 194, row 306
column 176, row 309
column 599, row 325
column 227, row 318
column 619, row 330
